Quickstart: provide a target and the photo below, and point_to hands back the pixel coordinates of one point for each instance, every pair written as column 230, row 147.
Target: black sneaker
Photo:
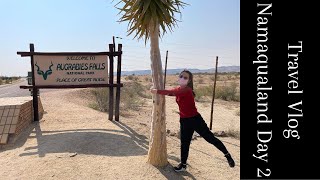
column 230, row 160
column 181, row 167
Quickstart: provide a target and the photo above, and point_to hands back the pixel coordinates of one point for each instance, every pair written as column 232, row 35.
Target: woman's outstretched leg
column 202, row 129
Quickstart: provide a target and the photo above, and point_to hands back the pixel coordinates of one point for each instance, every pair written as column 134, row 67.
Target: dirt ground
column 73, row 141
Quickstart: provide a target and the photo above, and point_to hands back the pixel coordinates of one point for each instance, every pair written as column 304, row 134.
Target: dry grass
column 133, row 95
column 233, row 133
column 225, row 92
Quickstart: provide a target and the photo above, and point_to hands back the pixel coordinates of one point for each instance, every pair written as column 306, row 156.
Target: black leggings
column 196, row 123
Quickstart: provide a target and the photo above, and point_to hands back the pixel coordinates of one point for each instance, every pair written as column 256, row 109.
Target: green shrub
column 130, row 98
column 130, row 77
column 94, row 106
column 8, row 81
column 202, row 92
column 131, row 95
column 228, row 92
column 101, row 99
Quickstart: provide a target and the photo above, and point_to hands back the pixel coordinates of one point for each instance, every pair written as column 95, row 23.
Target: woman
column 190, row 119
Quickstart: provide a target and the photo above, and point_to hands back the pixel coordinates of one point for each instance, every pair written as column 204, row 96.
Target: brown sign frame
column 111, row 54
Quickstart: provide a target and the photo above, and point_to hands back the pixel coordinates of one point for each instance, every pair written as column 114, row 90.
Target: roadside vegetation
column 136, row 90
column 135, row 93
column 133, row 97
column 8, row 80
column 227, row 92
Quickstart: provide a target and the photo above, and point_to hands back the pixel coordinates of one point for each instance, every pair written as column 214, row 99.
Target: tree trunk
column 157, row 154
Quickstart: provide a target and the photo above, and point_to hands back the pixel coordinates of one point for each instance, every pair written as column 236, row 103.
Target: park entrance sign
column 70, row 70
column 75, row 70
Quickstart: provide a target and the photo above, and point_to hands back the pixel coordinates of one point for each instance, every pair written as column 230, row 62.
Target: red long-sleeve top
column 184, row 99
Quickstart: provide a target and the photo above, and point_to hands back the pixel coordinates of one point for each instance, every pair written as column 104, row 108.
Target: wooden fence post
column 111, row 48
column 117, row 113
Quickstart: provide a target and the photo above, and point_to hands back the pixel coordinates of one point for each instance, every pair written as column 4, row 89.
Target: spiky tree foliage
column 145, row 19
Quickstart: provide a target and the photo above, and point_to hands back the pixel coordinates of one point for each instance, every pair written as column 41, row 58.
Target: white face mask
column 183, row 82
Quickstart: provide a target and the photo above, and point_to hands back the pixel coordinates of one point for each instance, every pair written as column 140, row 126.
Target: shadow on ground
column 85, row 141
column 104, row 142
column 166, row 171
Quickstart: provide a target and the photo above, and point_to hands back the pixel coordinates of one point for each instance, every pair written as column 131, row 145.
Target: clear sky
column 209, row 28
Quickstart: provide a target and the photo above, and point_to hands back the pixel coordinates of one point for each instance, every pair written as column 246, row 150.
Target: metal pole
column 165, row 71
column 214, row 92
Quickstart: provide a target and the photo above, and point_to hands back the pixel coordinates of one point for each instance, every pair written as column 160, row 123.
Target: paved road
column 13, row 90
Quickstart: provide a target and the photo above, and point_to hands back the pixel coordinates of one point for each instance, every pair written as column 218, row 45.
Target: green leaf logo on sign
column 44, row 74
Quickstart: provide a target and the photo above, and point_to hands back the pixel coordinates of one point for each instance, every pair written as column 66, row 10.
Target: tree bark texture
column 157, row 154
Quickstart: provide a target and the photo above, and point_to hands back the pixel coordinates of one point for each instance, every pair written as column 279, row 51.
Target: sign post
column 73, row 70
column 34, row 88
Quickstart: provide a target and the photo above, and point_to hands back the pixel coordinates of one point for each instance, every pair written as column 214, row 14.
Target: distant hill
column 175, row 71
